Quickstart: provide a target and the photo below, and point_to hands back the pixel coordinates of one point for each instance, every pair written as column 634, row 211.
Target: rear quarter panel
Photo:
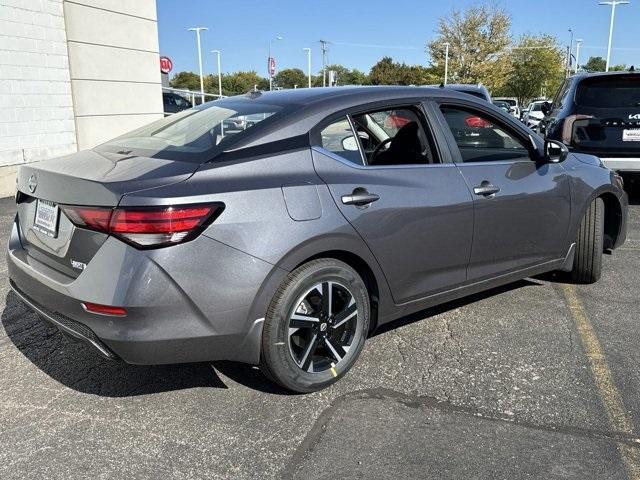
column 277, row 210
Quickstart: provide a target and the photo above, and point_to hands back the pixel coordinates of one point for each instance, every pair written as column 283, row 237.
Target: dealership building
column 72, row 75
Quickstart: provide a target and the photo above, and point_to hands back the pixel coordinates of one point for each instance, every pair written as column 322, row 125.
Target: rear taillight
column 146, row 227
column 477, row 122
column 569, row 124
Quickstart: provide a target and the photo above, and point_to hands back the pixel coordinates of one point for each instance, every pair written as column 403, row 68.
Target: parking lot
column 538, row 379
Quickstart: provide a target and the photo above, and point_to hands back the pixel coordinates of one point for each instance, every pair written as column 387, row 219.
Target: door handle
column 360, row 198
column 486, row 189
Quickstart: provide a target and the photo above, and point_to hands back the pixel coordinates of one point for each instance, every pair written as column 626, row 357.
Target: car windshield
column 536, row 107
column 609, row 92
column 194, row 134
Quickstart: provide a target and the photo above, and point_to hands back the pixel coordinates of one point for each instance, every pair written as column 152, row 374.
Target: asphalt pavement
column 538, row 379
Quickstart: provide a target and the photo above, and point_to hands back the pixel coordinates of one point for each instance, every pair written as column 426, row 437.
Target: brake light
column 146, row 227
column 477, row 122
column 569, row 123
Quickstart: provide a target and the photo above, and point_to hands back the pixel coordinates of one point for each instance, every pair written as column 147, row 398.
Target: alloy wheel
column 322, row 327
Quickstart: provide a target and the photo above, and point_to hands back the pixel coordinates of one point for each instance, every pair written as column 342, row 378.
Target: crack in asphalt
column 317, row 431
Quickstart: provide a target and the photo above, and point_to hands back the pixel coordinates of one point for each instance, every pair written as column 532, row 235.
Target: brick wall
column 36, row 108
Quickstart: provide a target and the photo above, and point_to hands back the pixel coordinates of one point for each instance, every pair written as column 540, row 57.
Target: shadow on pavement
column 632, row 187
column 439, row 309
column 79, row 367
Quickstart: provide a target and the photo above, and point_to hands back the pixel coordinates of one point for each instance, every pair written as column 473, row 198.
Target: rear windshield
column 609, row 92
column 475, row 93
column 195, row 134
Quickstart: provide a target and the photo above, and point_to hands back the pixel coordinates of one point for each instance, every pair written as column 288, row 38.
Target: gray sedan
column 287, row 242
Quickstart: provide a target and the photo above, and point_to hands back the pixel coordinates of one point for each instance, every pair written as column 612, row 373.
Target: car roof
column 584, row 75
column 309, row 96
column 302, row 108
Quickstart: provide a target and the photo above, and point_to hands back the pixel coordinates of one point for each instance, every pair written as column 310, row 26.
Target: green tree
column 595, row 64
column 289, row 77
column 478, row 38
column 618, row 68
column 238, row 83
column 186, row 80
column 536, row 68
column 346, row 76
column 388, row 72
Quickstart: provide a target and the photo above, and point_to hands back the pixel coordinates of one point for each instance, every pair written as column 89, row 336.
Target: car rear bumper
column 175, row 312
column 626, row 164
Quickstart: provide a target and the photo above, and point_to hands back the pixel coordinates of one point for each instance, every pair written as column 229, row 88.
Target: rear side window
column 609, row 92
column 396, row 136
column 338, row 138
column 561, row 95
column 480, row 138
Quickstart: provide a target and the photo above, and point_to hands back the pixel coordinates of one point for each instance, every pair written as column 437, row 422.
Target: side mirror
column 555, row 152
column 350, row 144
column 546, row 108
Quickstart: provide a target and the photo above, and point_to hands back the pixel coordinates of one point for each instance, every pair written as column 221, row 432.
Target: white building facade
column 73, row 74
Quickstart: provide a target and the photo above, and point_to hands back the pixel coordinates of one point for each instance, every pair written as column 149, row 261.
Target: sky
column 362, row 32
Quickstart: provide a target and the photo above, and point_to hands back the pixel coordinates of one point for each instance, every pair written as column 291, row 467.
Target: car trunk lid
column 87, row 178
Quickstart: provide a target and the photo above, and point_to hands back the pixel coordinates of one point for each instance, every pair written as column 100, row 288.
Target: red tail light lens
column 146, row 227
column 94, row 218
column 477, row 122
column 569, row 123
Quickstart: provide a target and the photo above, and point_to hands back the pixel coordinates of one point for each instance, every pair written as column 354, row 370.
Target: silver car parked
column 286, row 242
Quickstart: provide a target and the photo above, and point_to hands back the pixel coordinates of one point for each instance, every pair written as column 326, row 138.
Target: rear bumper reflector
column 107, row 310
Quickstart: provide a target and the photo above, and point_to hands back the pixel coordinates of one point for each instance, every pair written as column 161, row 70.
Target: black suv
column 598, row 114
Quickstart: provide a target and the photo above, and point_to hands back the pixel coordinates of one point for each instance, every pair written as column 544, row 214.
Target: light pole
column 570, row 52
column 578, row 43
column 446, row 62
column 308, row 50
column 278, row 37
column 198, row 30
column 613, row 4
column 218, row 53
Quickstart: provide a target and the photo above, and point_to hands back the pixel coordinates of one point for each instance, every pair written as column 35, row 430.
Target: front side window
column 480, row 139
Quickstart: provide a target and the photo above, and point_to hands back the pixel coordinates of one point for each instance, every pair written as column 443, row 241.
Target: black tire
column 283, row 353
column 587, row 263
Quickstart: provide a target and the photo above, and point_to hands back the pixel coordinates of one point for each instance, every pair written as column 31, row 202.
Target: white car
column 534, row 114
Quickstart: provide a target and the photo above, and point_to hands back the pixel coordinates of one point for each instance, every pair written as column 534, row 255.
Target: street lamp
column 218, row 53
column 278, row 37
column 198, row 30
column 570, row 52
column 308, row 50
column 446, row 62
column 613, row 4
column 578, row 43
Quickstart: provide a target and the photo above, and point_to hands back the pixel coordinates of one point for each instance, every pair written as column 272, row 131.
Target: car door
column 521, row 205
column 412, row 209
